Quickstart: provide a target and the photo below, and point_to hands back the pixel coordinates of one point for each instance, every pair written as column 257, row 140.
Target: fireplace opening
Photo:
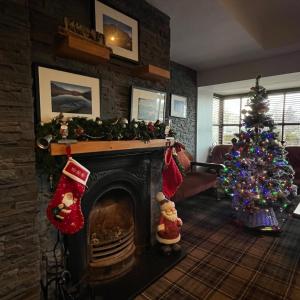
column 111, row 235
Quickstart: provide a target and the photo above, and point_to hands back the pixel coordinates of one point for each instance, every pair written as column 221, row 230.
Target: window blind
column 231, row 111
column 276, row 102
column 292, row 108
column 284, row 108
column 291, row 128
column 216, row 111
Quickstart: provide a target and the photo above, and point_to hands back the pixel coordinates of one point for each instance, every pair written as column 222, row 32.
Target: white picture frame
column 72, row 94
column 178, row 106
column 147, row 105
column 120, row 31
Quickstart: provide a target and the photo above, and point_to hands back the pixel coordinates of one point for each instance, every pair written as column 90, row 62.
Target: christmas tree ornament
column 44, row 142
column 257, row 174
column 79, row 131
column 64, row 132
column 150, row 127
column 64, row 209
column 123, row 121
column 98, row 121
column 59, row 118
column 116, row 121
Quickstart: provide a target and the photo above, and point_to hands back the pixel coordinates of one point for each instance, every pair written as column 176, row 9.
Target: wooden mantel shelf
column 103, row 146
column 74, row 46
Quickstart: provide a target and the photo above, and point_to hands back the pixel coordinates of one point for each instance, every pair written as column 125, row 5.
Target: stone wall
column 28, row 29
column 184, row 83
column 19, row 243
column 115, row 80
column 154, row 48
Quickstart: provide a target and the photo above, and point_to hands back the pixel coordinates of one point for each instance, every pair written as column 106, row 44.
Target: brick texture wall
column 27, row 31
column 184, row 83
column 154, row 47
column 19, row 243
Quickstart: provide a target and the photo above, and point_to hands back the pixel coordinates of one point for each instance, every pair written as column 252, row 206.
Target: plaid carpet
column 227, row 262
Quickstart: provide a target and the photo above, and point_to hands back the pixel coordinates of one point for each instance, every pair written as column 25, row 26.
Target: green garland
column 83, row 129
column 106, row 130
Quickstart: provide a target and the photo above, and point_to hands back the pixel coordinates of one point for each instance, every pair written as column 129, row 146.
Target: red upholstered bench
column 293, row 157
column 201, row 179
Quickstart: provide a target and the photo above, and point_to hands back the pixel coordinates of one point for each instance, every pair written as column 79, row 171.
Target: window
column 231, row 118
column 284, row 107
column 216, row 120
column 227, row 117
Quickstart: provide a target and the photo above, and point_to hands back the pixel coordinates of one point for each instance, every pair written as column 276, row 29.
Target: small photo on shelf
column 178, row 106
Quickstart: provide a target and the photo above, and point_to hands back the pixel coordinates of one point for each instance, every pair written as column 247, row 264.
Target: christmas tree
column 257, row 174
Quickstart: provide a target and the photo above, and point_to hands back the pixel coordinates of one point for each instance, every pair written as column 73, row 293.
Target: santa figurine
column 168, row 230
column 64, row 207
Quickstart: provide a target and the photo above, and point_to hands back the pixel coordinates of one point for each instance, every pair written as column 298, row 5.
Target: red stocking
column 64, row 209
column 171, row 175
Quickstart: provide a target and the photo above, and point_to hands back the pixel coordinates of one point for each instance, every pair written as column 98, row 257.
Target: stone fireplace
column 120, row 213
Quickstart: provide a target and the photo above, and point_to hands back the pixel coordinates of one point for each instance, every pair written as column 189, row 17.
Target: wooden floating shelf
column 103, row 146
column 152, row 72
column 72, row 45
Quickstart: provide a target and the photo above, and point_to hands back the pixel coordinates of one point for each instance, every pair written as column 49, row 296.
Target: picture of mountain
column 70, row 98
column 148, row 109
column 117, row 33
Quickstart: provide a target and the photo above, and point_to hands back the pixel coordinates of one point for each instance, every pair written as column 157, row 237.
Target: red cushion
column 194, row 183
column 184, row 161
column 294, row 160
column 218, row 152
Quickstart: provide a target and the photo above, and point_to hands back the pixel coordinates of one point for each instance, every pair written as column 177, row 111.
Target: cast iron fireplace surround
column 138, row 174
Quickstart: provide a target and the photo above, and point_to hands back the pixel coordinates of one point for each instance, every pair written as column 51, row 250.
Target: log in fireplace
column 120, row 213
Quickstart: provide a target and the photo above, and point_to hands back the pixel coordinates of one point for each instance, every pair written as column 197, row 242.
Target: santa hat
column 164, row 202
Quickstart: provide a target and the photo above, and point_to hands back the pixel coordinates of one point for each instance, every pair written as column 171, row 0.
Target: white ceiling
column 270, row 83
column 207, row 34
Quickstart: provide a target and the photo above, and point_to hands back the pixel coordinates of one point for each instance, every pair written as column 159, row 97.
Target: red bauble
column 151, row 127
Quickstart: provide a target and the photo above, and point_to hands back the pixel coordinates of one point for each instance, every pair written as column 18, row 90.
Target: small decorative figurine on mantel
column 74, row 26
column 168, row 230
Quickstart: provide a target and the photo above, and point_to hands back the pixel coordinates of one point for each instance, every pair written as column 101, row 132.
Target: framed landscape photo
column 120, row 31
column 68, row 93
column 178, row 106
column 147, row 105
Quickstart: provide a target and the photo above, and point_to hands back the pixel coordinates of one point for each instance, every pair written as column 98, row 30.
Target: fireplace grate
column 102, row 252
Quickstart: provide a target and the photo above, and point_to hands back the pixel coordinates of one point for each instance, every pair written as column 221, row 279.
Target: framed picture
column 69, row 93
column 147, row 105
column 120, row 31
column 178, row 106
